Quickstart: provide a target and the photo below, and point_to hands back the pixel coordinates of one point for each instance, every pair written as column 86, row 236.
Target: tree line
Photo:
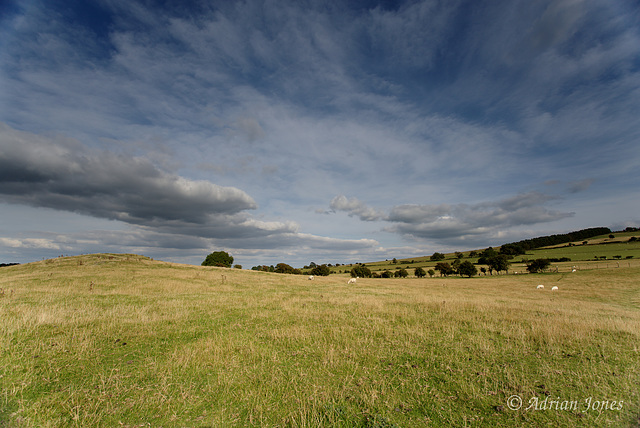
column 521, row 247
column 497, row 261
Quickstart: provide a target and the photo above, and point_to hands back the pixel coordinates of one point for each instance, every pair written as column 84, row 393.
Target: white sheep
column 554, row 288
column 351, row 281
column 311, row 278
column 539, row 286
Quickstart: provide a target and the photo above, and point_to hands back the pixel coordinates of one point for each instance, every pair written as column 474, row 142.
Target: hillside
column 598, row 252
column 123, row 340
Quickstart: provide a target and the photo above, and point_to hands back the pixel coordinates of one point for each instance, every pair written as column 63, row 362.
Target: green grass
column 121, row 340
column 600, row 252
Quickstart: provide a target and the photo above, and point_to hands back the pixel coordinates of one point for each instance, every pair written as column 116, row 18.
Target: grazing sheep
column 539, row 286
column 555, row 287
column 311, row 278
column 351, row 281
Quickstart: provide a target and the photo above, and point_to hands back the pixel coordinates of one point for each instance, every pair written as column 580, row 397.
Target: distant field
column 121, row 340
column 617, row 251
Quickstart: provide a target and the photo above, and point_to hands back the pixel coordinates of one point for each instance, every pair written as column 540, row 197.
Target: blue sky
column 325, row 131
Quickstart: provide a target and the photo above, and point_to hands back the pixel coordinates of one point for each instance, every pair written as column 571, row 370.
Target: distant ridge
column 521, row 247
column 8, row 264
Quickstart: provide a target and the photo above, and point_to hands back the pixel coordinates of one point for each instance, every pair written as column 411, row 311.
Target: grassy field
column 600, row 252
column 121, row 340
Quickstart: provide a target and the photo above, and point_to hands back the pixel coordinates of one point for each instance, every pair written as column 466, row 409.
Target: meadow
column 122, row 340
column 599, row 252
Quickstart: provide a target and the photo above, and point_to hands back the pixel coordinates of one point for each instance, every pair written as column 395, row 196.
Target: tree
column 445, row 269
column 322, row 270
column 538, row 265
column 431, row 272
column 467, row 268
column 499, row 262
column 401, row 273
column 285, row 268
column 455, row 265
column 513, row 249
column 436, row 257
column 386, row 274
column 486, row 255
column 360, row 271
column 218, row 258
column 419, row 272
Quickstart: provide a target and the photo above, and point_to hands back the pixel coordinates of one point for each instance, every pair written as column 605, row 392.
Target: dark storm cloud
column 63, row 175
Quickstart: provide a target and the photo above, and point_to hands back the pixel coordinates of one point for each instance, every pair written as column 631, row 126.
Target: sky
column 313, row 131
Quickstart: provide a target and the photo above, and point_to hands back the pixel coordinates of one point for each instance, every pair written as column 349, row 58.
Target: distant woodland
column 520, row 247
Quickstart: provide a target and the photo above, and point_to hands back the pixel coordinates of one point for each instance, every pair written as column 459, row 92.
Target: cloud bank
column 451, row 223
column 168, row 211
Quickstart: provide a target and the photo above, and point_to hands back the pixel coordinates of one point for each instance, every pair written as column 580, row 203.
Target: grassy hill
column 122, row 340
column 599, row 252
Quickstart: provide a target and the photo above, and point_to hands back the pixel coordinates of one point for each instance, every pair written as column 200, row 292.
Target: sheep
column 554, row 288
column 539, row 286
column 311, row 278
column 351, row 281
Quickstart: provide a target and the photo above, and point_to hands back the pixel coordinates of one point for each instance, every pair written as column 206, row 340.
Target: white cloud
column 30, row 243
column 354, row 207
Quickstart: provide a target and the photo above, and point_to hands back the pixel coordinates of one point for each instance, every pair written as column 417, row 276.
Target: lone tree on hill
column 218, row 258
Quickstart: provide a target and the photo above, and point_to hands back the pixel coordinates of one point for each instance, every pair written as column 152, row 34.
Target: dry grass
column 111, row 340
